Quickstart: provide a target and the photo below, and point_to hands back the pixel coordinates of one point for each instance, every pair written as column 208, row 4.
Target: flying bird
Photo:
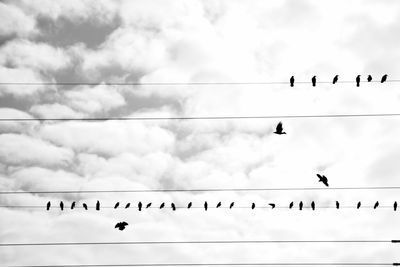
column 62, row 205
column 98, row 205
column 337, row 204
column 313, row 205
column 358, row 205
column 140, row 205
column 121, row 225
column 189, row 205
column 116, row 205
column 173, row 206
column 127, row 205
column 323, row 179
column 291, row 205
column 48, row 205
column 148, row 205
column 253, row 205
column 384, row 78
column 85, row 206
column 279, row 129
column 205, row 205
column 358, row 79
column 314, row 80
column 301, row 205
column 335, row 79
column 231, row 206
column 219, row 204
column 292, row 81
column 376, row 205
column 272, row 205
column 395, row 206
column 162, row 205
column 73, row 205
column 369, row 79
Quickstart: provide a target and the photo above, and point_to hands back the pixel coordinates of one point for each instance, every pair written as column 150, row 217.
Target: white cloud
column 15, row 126
column 15, row 21
column 55, row 110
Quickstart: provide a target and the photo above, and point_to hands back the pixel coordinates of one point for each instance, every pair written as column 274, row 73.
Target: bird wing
column 319, row 175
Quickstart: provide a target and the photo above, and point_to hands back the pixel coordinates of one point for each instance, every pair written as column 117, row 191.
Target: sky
column 195, row 41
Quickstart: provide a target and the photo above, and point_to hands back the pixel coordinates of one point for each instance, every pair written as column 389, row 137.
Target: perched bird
column 253, row 205
column 335, row 79
column 376, row 205
column 148, row 205
column 219, row 204
column 121, row 225
column 140, row 205
column 205, row 205
column 313, row 205
column 173, row 206
column 292, row 81
column 358, row 79
column 189, row 205
column 48, row 205
column 337, row 204
column 162, row 205
column 279, row 129
column 301, row 205
column 98, row 205
column 231, row 206
column 127, row 205
column 73, row 205
column 272, row 205
column 62, row 205
column 369, row 79
column 116, row 205
column 358, row 205
column 85, row 206
column 384, row 78
column 395, row 206
column 323, row 179
column 314, row 80
column 291, row 205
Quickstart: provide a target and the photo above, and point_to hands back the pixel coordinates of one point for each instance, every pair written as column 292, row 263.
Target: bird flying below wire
column 162, row 205
column 323, row 179
column 369, row 79
column 395, row 206
column 301, row 205
column 384, row 78
column 62, row 205
column 358, row 205
column 116, row 205
column 335, row 79
column 231, row 206
column 219, row 205
column 376, row 204
column 84, row 205
column 73, row 205
column 127, row 205
column 291, row 205
column 279, row 129
column 189, row 205
column 337, row 204
column 314, row 80
column 48, row 205
column 253, row 206
column 313, row 205
column 272, row 205
column 292, row 81
column 358, row 80
column 121, row 225
column 205, row 205
column 140, row 205
column 148, row 205
column 98, row 205
column 173, row 206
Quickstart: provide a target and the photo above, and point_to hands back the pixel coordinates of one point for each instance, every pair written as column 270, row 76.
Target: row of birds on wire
column 206, row 205
column 336, row 79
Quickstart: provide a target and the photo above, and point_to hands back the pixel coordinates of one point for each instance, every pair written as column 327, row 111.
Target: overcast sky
column 198, row 41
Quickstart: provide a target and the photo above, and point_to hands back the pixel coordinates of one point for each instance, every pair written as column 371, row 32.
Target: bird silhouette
column 116, row 205
column 205, row 205
column 62, row 205
column 85, row 206
column 189, row 205
column 384, row 78
column 376, row 205
column 369, row 79
column 358, row 205
column 231, row 206
column 335, row 79
column 279, row 129
column 395, row 206
column 48, row 205
column 292, row 81
column 148, row 205
column 121, row 225
column 272, row 205
column 219, row 204
column 314, row 80
column 173, row 206
column 291, row 205
column 73, row 205
column 127, row 205
column 253, row 206
column 337, row 204
column 301, row 205
column 140, row 205
column 313, row 205
column 323, row 179
column 358, row 79
column 162, row 205
column 98, row 205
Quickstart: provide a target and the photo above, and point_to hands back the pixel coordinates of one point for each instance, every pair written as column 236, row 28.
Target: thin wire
column 202, row 190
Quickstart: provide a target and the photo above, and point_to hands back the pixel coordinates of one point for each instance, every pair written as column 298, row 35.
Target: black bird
column 369, row 79
column 121, row 225
column 140, row 205
column 335, row 79
column 173, row 206
column 48, row 205
column 253, row 205
column 272, row 205
column 395, row 206
column 358, row 79
column 205, row 205
column 291, row 205
column 127, row 205
column 301, row 205
column 337, row 204
column 148, row 205
column 162, row 205
column 376, row 205
column 85, row 206
column 313, row 205
column 116, row 205
column 358, row 205
column 73, row 205
column 98, row 205
column 384, row 78
column 279, row 129
column 231, row 206
column 189, row 205
column 62, row 205
column 292, row 81
column 323, row 179
column 219, row 204
column 314, row 80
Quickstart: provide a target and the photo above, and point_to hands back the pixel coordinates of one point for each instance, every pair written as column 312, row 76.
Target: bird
column 205, row 205
column 73, row 205
column 272, row 205
column 337, row 204
column 291, row 205
column 85, row 206
column 98, row 205
column 48, row 205
column 116, row 205
column 358, row 79
column 279, row 129
column 231, row 206
column 376, row 205
column 292, row 81
column 173, row 206
column 313, row 205
column 369, row 79
column 148, row 205
column 62, row 205
column 162, row 205
column 384, row 78
column 253, row 205
column 358, row 205
column 127, row 205
column 189, row 205
column 301, row 205
column 314, row 80
column 335, row 79
column 140, row 205
column 395, row 206
column 323, row 179
column 121, row 225
column 219, row 204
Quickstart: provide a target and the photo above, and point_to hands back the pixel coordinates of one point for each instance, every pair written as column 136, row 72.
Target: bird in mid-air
column 384, row 78
column 376, row 204
column 292, row 81
column 162, row 205
column 140, row 205
column 358, row 205
column 48, row 205
column 314, row 80
column 127, row 205
column 395, row 205
column 323, row 179
column 148, row 205
column 189, row 205
column 291, row 205
column 121, row 225
column 62, row 205
column 335, row 79
column 253, row 206
column 73, row 205
column 173, row 206
column 313, row 205
column 219, row 204
column 205, row 205
column 369, row 79
column 98, row 205
column 231, row 206
column 279, row 129
column 84, row 205
column 116, row 205
column 272, row 205
column 358, row 80
column 301, row 205
column 337, row 204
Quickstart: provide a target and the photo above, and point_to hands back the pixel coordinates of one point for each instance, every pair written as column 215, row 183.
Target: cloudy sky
column 192, row 41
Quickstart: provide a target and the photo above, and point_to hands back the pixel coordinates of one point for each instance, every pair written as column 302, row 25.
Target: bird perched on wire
column 121, row 225
column 140, row 205
column 384, row 78
column 189, row 205
column 291, row 205
column 73, row 205
column 323, row 179
column 313, row 205
column 84, row 205
column 301, row 205
column 231, row 205
column 272, row 205
column 337, row 204
column 358, row 205
column 48, row 205
column 292, row 81
column 205, row 205
column 148, row 205
column 61, row 205
column 98, row 205
column 314, row 80
column 253, row 206
column 335, row 79
column 369, row 79
column 127, row 205
column 358, row 80
column 395, row 206
column 376, row 204
column 279, row 129
column 162, row 205
column 116, row 205
column 219, row 205
column 173, row 206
